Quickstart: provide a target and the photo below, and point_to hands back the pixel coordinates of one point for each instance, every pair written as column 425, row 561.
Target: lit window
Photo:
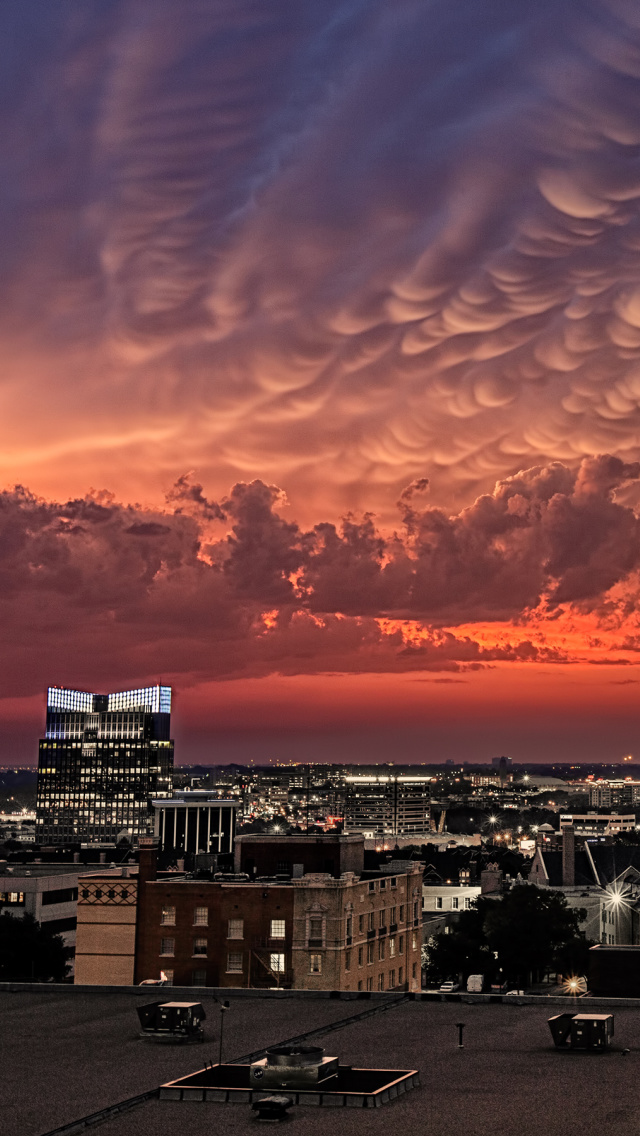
column 234, row 961
column 199, row 946
column 236, row 929
column 167, row 946
column 277, row 928
column 315, row 964
column 392, row 947
column 201, row 917
column 168, row 916
column 277, row 963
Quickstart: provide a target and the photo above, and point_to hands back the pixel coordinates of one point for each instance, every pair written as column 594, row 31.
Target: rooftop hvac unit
column 175, row 1021
column 582, row 1031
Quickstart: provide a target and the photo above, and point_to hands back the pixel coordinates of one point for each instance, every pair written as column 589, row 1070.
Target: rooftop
column 82, row 1053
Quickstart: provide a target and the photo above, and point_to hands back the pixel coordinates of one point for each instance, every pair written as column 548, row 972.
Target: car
column 449, row 987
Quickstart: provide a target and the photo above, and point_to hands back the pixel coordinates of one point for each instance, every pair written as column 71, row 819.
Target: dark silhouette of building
column 102, row 758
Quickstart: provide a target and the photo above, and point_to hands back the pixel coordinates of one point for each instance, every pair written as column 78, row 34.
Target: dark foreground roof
column 68, row 1055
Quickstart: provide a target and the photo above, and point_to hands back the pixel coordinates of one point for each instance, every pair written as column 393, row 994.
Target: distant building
column 194, row 821
column 102, row 758
column 598, row 824
column 614, row 794
column 387, row 804
column 601, row 879
column 48, row 892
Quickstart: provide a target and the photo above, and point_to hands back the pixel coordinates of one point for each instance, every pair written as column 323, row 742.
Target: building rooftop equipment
column 172, row 1021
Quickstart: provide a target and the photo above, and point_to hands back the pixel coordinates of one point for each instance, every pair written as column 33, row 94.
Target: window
column 236, row 929
column 361, row 924
column 415, row 910
column 381, row 982
column 381, row 949
column 315, row 964
column 400, row 944
column 277, row 928
column 360, row 956
column 438, row 903
column 413, row 970
column 392, row 915
column 372, row 886
column 198, row 978
column 349, row 927
column 383, row 884
column 201, row 916
column 467, row 903
column 370, row 919
column 168, row 916
column 400, row 976
column 392, row 979
column 392, row 947
column 167, row 946
column 402, row 912
column 199, row 946
column 234, row 961
column 454, row 903
column 393, row 883
column 370, row 984
column 315, row 931
column 276, row 963
column 360, row 985
column 414, row 942
column 167, row 975
column 382, row 917
column 347, row 960
column 369, row 952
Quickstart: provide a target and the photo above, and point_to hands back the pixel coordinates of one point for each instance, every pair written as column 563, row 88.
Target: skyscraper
column 103, row 756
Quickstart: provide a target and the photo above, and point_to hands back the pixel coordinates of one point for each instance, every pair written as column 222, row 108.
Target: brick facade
column 316, row 932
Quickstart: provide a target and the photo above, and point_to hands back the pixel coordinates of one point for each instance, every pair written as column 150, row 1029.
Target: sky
column 320, row 373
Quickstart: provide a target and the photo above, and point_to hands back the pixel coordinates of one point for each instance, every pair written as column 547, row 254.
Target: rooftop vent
column 293, row 1067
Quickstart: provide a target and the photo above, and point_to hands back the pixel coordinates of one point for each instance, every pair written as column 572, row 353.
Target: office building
column 102, row 758
column 195, row 821
column 387, row 805
column 614, row 794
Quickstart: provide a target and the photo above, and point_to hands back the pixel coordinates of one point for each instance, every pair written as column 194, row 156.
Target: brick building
column 316, row 932
column 295, row 855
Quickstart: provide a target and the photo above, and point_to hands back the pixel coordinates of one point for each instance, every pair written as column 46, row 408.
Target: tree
column 522, row 934
column 527, row 927
column 30, row 952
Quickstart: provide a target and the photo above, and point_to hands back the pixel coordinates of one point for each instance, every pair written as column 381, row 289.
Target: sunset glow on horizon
column 320, row 384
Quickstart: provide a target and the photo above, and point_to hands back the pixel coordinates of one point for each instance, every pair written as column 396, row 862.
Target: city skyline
column 321, row 335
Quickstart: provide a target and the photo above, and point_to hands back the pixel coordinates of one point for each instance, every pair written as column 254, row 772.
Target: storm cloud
column 233, row 588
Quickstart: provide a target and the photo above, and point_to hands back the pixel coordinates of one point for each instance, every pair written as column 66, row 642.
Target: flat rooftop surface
column 66, row 1056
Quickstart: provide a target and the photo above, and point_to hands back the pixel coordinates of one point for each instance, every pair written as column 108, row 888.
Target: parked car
column 449, row 987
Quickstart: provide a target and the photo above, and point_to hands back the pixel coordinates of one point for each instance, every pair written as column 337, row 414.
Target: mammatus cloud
column 334, row 244
column 204, row 590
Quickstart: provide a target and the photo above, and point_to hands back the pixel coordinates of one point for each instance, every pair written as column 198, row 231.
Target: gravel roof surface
column 507, row 1081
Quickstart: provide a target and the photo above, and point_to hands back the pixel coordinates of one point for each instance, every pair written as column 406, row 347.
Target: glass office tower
column 103, row 757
